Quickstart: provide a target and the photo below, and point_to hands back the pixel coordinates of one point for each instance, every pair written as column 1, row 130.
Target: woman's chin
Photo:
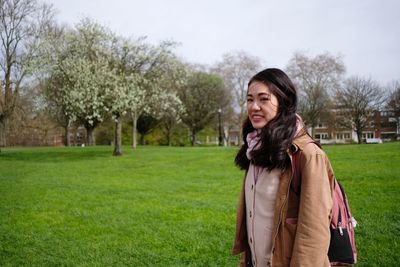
column 258, row 124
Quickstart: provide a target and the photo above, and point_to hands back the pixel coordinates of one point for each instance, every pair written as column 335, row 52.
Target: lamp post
column 220, row 139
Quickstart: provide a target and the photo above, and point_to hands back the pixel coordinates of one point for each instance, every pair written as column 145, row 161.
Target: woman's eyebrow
column 264, row 94
column 260, row 94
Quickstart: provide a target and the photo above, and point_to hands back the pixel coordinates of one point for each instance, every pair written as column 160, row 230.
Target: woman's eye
column 249, row 100
column 264, row 99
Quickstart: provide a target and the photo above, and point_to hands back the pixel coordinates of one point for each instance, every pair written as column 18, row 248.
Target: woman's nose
column 254, row 105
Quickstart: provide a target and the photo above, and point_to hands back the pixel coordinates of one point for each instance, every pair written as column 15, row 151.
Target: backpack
column 342, row 247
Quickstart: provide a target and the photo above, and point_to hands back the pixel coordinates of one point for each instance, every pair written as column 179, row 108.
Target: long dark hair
column 278, row 134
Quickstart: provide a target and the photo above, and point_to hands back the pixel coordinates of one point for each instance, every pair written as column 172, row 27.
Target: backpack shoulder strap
column 295, row 184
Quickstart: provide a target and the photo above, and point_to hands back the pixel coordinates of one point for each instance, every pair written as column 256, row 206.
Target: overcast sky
column 365, row 32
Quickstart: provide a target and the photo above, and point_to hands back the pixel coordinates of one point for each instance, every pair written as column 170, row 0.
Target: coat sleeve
column 313, row 235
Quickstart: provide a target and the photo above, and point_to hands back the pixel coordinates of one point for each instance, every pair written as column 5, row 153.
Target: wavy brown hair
column 277, row 135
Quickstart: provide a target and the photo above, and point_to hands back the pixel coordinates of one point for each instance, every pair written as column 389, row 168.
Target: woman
column 276, row 226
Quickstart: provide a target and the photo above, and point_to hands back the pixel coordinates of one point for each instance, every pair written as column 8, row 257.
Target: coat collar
column 300, row 141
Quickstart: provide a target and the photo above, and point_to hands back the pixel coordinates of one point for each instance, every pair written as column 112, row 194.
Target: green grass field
column 160, row 206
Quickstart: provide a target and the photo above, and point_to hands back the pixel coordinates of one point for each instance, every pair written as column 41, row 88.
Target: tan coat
column 301, row 233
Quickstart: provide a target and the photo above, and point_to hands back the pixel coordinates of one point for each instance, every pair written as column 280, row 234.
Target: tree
column 30, row 120
column 58, row 103
column 316, row 79
column 200, row 100
column 145, row 124
column 127, row 94
column 53, row 46
column 81, row 75
column 167, row 107
column 393, row 103
column 163, row 78
column 170, row 113
column 22, row 24
column 150, row 63
column 236, row 69
column 99, row 74
column 84, row 91
column 89, row 64
column 122, row 94
column 357, row 101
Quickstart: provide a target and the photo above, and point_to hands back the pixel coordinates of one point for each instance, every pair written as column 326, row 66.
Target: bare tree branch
column 356, row 102
column 316, row 79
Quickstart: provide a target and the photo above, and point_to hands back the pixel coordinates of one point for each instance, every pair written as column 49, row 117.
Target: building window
column 321, row 136
column 368, row 135
column 387, row 113
column 341, row 136
column 389, row 124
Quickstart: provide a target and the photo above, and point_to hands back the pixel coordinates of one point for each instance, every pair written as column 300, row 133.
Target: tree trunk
column 134, row 129
column 169, row 137
column 117, row 138
column 67, row 138
column 167, row 130
column 226, row 136
column 359, row 136
column 3, row 132
column 142, row 139
column 90, row 136
column 193, row 137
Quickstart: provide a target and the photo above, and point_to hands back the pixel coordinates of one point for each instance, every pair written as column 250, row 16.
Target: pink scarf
column 299, row 125
column 254, row 141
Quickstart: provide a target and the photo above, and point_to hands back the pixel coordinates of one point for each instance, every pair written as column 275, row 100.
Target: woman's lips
column 257, row 117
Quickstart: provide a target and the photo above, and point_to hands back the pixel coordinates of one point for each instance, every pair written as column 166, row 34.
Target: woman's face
column 262, row 105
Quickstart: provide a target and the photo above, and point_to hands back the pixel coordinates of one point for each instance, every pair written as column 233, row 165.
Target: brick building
column 382, row 126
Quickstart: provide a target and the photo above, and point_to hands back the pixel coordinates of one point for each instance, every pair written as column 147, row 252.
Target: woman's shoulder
column 308, row 146
column 311, row 153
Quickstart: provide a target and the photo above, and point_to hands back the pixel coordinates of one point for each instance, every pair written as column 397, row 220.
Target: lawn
column 160, row 206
